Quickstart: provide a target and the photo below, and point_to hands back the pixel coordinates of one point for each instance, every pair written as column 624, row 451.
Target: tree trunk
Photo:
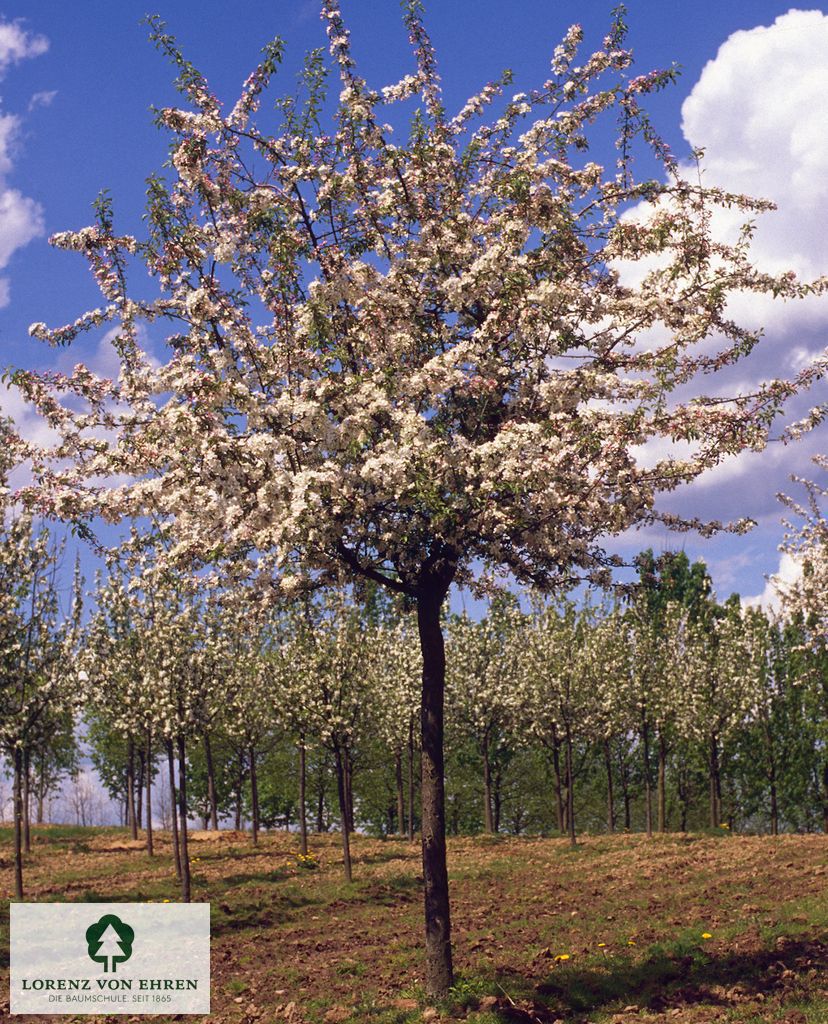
column 303, row 821
column 27, row 827
column 610, row 797
column 774, row 805
column 662, row 783
column 139, row 789
column 411, row 783
column 343, row 814
column 148, row 759
column 348, row 766
column 648, row 790
column 825, row 797
column 439, row 972
column 254, row 797
column 182, row 824
column 570, row 791
column 131, row 819
column 625, row 792
column 556, row 766
column 497, row 799
column 18, row 823
column 398, row 781
column 487, row 788
column 320, row 808
column 41, row 788
column 173, row 805
column 714, row 782
column 211, row 782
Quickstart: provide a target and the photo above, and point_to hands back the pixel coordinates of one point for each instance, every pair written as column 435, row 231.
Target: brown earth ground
column 612, row 932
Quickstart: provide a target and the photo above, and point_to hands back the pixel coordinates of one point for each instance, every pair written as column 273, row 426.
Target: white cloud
column 42, row 99
column 789, row 571
column 17, row 44
column 21, row 218
column 758, row 110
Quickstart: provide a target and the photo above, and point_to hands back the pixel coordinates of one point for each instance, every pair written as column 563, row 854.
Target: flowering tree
column 115, row 690
column 559, row 659
column 397, row 668
column 325, row 663
column 37, row 676
column 405, row 360
column 483, row 695
column 808, row 542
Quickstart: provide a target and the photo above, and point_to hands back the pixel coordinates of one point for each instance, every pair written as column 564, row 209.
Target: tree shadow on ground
column 669, row 980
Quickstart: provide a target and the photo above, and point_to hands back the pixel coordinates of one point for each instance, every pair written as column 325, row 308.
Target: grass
column 350, row 953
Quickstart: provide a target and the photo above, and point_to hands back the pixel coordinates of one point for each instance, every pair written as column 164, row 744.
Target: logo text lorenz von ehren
column 110, row 958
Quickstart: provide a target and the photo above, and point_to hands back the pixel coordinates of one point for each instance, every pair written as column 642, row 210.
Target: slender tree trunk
column 173, row 806
column 825, row 797
column 570, row 790
column 556, row 766
column 211, row 782
column 662, row 783
column 610, row 797
column 139, row 790
column 27, row 827
column 131, row 819
column 497, row 800
column 182, row 824
column 303, row 821
column 320, row 808
column 150, row 848
column 411, row 784
column 714, row 782
column 648, row 789
column 398, row 784
column 439, row 971
column 18, row 823
column 487, row 788
column 237, row 823
column 625, row 791
column 41, row 788
column 348, row 766
column 254, row 797
column 343, row 814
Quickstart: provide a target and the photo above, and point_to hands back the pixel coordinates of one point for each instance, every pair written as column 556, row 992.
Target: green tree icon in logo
column 109, row 941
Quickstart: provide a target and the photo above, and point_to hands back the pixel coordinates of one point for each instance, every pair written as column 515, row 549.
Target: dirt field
column 678, row 929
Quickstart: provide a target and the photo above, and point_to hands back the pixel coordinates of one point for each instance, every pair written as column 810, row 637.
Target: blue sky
column 78, row 80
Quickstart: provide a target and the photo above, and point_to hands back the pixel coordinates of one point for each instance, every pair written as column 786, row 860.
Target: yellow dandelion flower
column 562, row 956
column 706, row 935
column 602, row 945
column 630, row 942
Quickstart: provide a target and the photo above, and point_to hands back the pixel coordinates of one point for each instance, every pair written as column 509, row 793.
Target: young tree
column 37, row 670
column 407, row 361
column 483, row 692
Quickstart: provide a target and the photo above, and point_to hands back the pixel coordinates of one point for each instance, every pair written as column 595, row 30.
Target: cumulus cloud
column 789, row 571
column 758, row 111
column 17, row 44
column 21, row 218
